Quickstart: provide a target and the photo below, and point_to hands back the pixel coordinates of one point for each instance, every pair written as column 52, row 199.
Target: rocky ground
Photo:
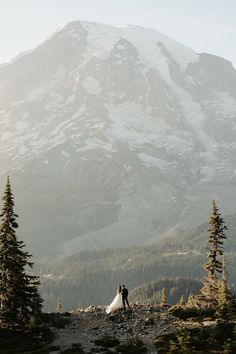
column 91, row 330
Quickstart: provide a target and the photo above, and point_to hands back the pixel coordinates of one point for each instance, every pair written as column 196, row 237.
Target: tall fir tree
column 20, row 302
column 213, row 266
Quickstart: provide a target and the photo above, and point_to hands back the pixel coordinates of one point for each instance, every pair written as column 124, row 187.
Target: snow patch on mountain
column 153, row 161
column 129, row 126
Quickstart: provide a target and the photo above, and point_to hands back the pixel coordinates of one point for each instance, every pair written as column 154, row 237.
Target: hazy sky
column 204, row 25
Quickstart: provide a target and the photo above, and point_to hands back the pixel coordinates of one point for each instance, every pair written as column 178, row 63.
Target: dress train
column 116, row 304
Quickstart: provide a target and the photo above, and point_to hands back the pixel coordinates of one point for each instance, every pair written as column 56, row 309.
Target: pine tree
column 181, row 301
column 163, row 297
column 58, row 306
column 20, row 302
column 213, row 266
column 191, row 301
column 181, row 343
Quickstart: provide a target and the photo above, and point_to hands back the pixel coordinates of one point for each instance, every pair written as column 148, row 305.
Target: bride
column 116, row 303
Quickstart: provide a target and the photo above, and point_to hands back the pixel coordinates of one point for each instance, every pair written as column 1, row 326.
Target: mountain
column 113, row 136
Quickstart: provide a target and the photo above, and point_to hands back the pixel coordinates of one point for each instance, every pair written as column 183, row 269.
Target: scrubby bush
column 132, row 346
column 218, row 338
column 57, row 320
column 184, row 312
column 107, row 341
column 181, row 343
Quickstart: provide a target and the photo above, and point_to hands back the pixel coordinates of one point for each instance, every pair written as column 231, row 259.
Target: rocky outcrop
column 94, row 331
column 141, row 329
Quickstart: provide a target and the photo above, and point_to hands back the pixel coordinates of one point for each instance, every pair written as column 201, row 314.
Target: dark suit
column 125, row 294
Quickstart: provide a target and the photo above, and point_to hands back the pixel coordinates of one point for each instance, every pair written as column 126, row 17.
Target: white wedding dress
column 116, row 304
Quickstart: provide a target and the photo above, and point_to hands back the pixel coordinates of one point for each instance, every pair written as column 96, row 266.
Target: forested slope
column 92, row 276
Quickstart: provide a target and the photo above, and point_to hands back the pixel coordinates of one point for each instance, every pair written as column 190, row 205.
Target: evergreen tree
column 20, row 302
column 58, row 306
column 181, row 343
column 213, row 266
column 163, row 297
column 181, row 301
column 191, row 301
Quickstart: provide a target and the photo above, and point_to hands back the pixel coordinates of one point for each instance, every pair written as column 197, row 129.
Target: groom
column 125, row 293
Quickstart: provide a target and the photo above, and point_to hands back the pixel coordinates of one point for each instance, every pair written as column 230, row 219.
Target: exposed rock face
column 113, row 135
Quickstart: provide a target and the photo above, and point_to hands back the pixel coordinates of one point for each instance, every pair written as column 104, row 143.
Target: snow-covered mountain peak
column 104, row 37
column 120, row 131
column 146, row 38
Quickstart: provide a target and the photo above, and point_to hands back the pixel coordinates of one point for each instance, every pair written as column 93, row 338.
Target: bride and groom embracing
column 120, row 300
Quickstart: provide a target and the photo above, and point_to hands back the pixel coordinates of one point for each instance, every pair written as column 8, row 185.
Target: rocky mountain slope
column 91, row 330
column 114, row 135
column 142, row 329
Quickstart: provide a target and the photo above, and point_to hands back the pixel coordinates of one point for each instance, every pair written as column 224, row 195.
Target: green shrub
column 181, row 343
column 107, row 341
column 57, row 320
column 185, row 312
column 210, row 339
column 162, row 343
column 132, row 346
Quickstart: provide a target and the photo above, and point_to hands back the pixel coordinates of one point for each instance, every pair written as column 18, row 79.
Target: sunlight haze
column 204, row 25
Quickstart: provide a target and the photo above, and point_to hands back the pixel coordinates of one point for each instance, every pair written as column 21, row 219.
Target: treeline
column 92, row 276
column 151, row 293
column 76, row 281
